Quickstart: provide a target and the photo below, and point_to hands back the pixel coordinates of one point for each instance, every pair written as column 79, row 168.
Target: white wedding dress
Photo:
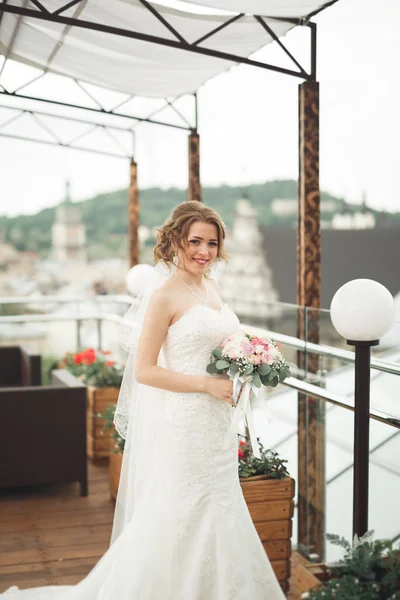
column 193, row 538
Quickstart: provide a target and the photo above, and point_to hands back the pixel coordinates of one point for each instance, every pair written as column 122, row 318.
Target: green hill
column 105, row 215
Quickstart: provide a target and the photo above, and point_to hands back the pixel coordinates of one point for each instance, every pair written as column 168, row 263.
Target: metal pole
column 78, row 335
column 99, row 336
column 361, row 435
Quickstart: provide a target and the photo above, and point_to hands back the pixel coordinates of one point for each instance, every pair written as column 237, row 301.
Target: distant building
column 362, row 219
column 246, row 282
column 68, row 232
column 345, row 255
column 262, row 266
column 286, row 207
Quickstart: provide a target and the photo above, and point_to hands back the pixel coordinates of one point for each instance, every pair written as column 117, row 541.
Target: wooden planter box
column 271, row 505
column 98, row 444
column 114, row 471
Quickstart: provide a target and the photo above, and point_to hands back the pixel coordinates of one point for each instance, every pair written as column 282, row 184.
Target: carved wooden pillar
column 311, row 413
column 194, row 189
column 133, row 216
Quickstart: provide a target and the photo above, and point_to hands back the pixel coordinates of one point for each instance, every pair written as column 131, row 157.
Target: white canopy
column 136, row 66
column 295, row 9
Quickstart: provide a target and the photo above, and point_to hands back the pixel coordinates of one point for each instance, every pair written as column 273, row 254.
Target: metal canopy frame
column 39, row 11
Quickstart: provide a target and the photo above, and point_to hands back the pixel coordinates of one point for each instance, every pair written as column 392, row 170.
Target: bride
column 182, row 530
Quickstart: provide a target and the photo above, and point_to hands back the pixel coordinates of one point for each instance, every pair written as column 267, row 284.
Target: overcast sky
column 248, row 125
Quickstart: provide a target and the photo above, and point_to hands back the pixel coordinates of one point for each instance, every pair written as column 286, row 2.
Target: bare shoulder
column 161, row 299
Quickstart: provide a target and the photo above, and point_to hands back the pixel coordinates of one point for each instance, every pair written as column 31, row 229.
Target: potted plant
column 116, row 450
column 102, row 377
column 269, row 490
column 370, row 570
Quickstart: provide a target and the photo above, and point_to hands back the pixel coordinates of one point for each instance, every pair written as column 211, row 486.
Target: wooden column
column 194, row 189
column 133, row 216
column 311, row 413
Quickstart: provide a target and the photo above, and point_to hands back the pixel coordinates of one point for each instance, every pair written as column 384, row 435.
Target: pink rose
column 246, row 347
column 267, row 358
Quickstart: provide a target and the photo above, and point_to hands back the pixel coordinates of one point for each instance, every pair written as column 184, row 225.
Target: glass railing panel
column 276, row 426
column 384, row 481
column 385, row 386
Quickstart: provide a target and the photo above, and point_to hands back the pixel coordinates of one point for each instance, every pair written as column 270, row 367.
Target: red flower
column 110, row 363
column 77, row 359
column 89, row 352
column 88, row 361
column 88, row 356
column 242, row 443
column 106, row 351
column 240, row 453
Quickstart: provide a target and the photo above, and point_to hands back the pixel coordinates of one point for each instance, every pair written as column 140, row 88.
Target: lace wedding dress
column 193, row 538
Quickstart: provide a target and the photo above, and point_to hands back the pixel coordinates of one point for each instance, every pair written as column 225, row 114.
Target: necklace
column 202, row 300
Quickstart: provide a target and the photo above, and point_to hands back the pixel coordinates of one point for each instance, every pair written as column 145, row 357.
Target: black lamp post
column 361, row 435
column 362, row 311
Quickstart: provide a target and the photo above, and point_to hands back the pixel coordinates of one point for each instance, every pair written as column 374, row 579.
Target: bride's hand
column 220, row 387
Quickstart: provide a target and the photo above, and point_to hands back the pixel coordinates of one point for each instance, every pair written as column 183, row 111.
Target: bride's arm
column 155, row 327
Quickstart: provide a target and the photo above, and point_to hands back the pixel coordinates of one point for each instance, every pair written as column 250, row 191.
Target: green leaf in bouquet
column 264, row 379
column 282, row 375
column 264, row 369
column 234, row 368
column 274, row 382
column 211, row 368
column 222, row 364
column 217, row 353
column 272, row 374
column 257, row 380
column 249, row 369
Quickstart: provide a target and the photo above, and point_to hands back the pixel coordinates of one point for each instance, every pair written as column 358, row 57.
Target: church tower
column 246, row 282
column 68, row 231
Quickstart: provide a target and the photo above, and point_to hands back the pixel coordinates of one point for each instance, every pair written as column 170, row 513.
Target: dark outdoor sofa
column 43, row 434
column 19, row 366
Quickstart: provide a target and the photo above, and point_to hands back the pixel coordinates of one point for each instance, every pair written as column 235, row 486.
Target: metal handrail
column 301, row 386
column 291, row 341
column 117, row 298
column 323, row 350
column 322, row 394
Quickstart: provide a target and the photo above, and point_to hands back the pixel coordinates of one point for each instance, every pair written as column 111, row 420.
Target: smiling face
column 200, row 249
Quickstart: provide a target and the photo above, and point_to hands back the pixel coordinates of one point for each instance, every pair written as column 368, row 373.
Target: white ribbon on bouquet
column 243, row 384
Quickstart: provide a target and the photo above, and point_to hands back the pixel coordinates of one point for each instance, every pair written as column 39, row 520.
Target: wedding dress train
column 192, row 537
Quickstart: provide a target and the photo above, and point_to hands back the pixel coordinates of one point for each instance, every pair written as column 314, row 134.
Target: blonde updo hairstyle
column 175, row 231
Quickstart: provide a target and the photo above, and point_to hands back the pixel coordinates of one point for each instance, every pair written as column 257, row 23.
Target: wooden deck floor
column 52, row 536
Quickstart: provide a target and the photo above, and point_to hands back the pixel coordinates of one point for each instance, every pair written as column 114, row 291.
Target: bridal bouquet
column 251, row 362
column 248, row 356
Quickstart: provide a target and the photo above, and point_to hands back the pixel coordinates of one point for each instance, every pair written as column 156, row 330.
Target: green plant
column 270, row 464
column 93, row 368
column 48, row 364
column 370, row 570
column 108, row 427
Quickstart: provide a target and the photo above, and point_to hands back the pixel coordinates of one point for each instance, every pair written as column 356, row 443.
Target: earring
column 175, row 260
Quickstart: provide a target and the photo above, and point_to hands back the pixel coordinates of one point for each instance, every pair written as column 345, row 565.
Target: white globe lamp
column 362, row 311
column 139, row 277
